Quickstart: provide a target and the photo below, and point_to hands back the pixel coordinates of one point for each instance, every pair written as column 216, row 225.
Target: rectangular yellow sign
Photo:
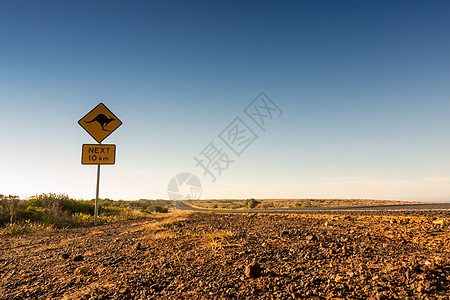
column 98, row 154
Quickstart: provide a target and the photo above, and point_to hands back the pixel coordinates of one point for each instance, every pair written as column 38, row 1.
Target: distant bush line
column 60, row 211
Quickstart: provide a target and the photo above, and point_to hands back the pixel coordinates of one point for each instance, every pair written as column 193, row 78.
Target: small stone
column 378, row 289
column 138, row 246
column 252, row 270
column 78, row 258
column 284, row 233
column 82, row 270
column 311, row 238
column 439, row 222
column 408, row 275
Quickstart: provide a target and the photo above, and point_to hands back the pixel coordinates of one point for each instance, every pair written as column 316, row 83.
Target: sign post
column 96, row 195
column 100, row 122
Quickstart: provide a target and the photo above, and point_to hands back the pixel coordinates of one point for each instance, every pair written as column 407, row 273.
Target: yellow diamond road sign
column 100, row 122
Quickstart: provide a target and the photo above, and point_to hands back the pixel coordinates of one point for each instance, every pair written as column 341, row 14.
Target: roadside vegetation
column 48, row 211
column 225, row 203
column 287, row 203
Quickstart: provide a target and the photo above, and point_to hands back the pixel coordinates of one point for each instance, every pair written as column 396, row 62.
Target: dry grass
column 155, row 228
column 97, row 232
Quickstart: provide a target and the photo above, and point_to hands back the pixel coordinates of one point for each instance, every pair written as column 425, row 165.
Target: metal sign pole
column 96, row 195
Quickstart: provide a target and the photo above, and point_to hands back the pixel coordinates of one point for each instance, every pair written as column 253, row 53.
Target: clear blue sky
column 363, row 85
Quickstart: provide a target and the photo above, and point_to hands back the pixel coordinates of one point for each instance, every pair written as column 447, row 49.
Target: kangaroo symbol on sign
column 102, row 120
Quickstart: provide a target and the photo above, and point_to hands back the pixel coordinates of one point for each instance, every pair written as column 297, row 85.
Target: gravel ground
column 234, row 256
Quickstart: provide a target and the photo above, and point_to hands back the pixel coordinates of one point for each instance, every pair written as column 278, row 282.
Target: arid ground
column 207, row 256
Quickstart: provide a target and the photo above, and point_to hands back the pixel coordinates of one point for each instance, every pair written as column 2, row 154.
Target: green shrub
column 81, row 220
column 160, row 209
column 252, row 203
column 110, row 210
column 34, row 214
column 61, row 202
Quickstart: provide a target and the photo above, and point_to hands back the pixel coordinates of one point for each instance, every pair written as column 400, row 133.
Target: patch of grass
column 145, row 205
column 97, row 232
column 47, row 211
column 218, row 239
column 19, row 228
